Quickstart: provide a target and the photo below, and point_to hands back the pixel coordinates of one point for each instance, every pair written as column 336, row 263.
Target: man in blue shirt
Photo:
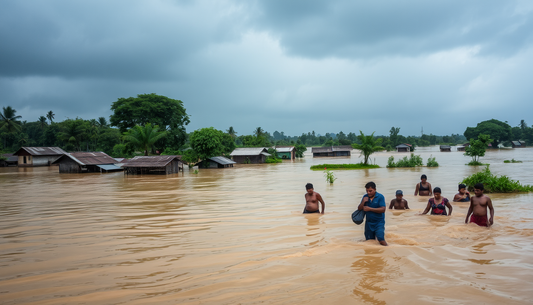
column 373, row 203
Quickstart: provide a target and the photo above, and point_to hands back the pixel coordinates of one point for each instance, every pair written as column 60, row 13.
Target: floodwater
column 237, row 236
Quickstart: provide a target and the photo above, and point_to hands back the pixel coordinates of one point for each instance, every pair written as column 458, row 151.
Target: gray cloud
column 292, row 66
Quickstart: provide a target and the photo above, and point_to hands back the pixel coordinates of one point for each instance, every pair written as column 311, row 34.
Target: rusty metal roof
column 42, row 151
column 331, row 149
column 150, row 161
column 248, row 151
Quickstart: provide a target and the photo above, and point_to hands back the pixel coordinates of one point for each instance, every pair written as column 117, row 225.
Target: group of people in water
column 373, row 203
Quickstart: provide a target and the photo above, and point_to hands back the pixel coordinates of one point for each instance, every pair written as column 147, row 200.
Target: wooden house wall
column 67, row 165
column 253, row 159
column 403, row 149
column 36, row 160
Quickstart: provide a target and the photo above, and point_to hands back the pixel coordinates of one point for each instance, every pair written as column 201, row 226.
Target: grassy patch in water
column 344, row 166
column 512, row 161
column 495, row 184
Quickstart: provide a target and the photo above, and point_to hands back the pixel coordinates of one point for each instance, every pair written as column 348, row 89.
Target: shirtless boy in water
column 311, row 200
column 399, row 203
column 478, row 208
column 463, row 195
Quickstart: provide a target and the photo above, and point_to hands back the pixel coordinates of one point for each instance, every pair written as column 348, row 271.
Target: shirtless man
column 463, row 195
column 399, row 203
column 311, row 200
column 478, row 208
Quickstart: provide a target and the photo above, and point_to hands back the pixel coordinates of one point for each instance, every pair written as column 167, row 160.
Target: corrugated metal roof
column 248, row 151
column 321, row 149
column 11, row 158
column 342, row 148
column 403, row 145
column 150, row 161
column 222, row 160
column 43, row 151
column 109, row 167
column 89, row 158
column 331, row 149
column 285, row 149
column 517, row 143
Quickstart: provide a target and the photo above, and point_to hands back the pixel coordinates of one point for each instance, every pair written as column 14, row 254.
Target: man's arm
column 416, row 188
column 362, row 204
column 491, row 209
column 449, row 207
column 391, row 204
column 457, row 197
column 375, row 210
column 470, row 209
column 406, row 205
column 322, row 202
column 428, row 206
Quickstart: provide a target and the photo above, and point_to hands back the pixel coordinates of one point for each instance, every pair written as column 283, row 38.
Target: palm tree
column 9, row 120
column 368, row 146
column 42, row 122
column 145, row 137
column 259, row 132
column 73, row 131
column 232, row 132
column 50, row 115
column 102, row 122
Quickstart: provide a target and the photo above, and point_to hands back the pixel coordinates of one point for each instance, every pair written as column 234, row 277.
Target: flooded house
column 332, row 151
column 403, row 147
column 38, row 156
column 445, row 148
column 156, row 165
column 216, row 162
column 10, row 160
column 286, row 152
column 87, row 162
column 252, row 155
column 518, row 144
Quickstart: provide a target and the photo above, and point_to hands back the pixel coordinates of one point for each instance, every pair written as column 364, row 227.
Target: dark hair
column 462, row 186
column 437, row 190
column 370, row 185
column 479, row 186
column 423, row 177
column 309, row 186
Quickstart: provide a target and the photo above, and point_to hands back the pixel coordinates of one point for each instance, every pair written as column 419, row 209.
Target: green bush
column 343, row 166
column 475, row 163
column 413, row 161
column 495, row 184
column 512, row 161
column 432, row 162
column 330, row 177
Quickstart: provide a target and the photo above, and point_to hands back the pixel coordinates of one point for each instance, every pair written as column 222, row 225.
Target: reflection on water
column 238, row 236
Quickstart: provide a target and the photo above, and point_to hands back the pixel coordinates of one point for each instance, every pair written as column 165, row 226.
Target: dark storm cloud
column 355, row 29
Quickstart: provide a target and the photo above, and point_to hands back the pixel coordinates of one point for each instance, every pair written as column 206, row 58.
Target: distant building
column 158, row 165
column 461, row 148
column 445, row 148
column 216, row 162
column 518, row 144
column 86, row 162
column 38, row 156
column 253, row 155
column 332, row 151
column 286, row 152
column 11, row 160
column 403, row 147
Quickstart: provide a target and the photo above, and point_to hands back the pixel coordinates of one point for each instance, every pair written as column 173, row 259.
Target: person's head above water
column 437, row 190
column 308, row 186
column 370, row 185
column 423, row 177
column 462, row 186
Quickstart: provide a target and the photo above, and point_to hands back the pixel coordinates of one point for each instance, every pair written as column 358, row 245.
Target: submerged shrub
column 432, row 162
column 330, row 177
column 413, row 161
column 495, row 184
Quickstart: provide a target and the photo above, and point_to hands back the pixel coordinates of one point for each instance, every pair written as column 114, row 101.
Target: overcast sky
column 287, row 65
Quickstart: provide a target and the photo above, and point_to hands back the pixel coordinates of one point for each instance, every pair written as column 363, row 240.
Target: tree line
column 155, row 124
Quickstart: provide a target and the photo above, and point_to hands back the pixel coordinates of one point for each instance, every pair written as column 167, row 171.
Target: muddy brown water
column 237, row 236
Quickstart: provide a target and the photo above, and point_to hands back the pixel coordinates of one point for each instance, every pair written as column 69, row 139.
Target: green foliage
column 73, row 132
column 330, row 177
column 495, row 184
column 344, row 166
column 122, row 151
column 413, row 161
column 477, row 148
column 475, row 163
column 432, row 162
column 299, row 150
column 512, row 161
column 207, row 142
column 498, row 131
column 195, row 172
column 272, row 159
column 368, row 146
column 246, row 161
column 144, row 137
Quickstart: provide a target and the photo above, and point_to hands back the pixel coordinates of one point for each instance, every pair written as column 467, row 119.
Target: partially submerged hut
column 253, row 155
column 332, row 151
column 162, row 165
column 87, row 162
column 445, row 148
column 38, row 156
column 216, row 162
column 286, row 152
column 518, row 144
column 403, row 147
column 10, row 160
